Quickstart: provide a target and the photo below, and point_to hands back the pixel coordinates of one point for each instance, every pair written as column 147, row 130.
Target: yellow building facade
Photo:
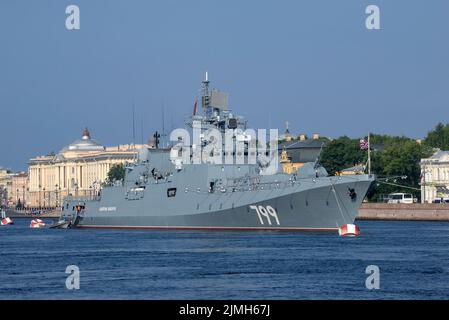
column 5, row 186
column 19, row 189
column 78, row 169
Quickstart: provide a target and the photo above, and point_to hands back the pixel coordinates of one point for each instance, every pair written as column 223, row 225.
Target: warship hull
column 315, row 204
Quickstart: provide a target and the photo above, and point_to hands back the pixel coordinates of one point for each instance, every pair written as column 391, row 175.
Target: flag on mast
column 364, row 144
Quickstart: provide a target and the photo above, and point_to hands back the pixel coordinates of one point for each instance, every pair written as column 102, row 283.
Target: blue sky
column 311, row 62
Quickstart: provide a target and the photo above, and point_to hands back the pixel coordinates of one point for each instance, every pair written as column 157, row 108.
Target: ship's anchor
column 352, row 194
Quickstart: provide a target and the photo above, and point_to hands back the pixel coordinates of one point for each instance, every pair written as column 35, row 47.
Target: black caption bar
column 218, row 309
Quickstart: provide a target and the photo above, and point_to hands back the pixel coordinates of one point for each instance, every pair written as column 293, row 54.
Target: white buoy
column 349, row 230
column 37, row 223
column 6, row 221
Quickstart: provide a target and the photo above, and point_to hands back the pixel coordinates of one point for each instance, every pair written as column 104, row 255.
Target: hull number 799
column 266, row 213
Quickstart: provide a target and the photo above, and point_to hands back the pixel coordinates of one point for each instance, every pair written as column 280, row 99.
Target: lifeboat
column 6, row 221
column 37, row 223
column 349, row 230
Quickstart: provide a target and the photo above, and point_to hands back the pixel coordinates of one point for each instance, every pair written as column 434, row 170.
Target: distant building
column 19, row 189
column 5, row 186
column 435, row 177
column 287, row 136
column 5, row 176
column 357, row 169
column 302, row 150
column 78, row 169
column 3, row 172
column 295, row 152
column 13, row 188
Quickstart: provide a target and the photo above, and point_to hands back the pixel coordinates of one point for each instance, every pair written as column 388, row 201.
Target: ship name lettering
column 102, row 209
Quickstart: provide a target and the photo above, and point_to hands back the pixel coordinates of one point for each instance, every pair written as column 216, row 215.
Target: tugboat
column 192, row 185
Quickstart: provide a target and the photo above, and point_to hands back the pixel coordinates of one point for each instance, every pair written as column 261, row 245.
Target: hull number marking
column 266, row 212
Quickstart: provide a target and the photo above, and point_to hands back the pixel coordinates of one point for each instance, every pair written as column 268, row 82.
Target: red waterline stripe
column 207, row 228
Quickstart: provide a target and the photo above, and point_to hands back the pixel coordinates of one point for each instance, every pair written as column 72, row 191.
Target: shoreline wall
column 367, row 211
column 402, row 211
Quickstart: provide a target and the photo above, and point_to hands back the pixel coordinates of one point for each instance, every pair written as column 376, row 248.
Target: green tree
column 382, row 140
column 342, row 153
column 402, row 159
column 399, row 158
column 438, row 137
column 390, row 156
column 116, row 172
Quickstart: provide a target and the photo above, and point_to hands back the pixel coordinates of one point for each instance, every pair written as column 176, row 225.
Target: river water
column 412, row 257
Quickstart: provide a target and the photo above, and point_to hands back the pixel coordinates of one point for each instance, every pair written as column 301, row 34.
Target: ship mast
column 205, row 99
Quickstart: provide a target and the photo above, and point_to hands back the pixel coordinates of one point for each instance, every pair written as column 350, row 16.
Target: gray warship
column 164, row 189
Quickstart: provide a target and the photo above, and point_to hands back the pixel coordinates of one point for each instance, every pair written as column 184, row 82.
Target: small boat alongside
column 61, row 224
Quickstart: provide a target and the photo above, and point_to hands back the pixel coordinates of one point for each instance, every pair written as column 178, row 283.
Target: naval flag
column 364, row 144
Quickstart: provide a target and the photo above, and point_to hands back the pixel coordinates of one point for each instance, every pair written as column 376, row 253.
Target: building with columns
column 435, row 177
column 5, row 186
column 19, row 189
column 78, row 169
column 13, row 188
